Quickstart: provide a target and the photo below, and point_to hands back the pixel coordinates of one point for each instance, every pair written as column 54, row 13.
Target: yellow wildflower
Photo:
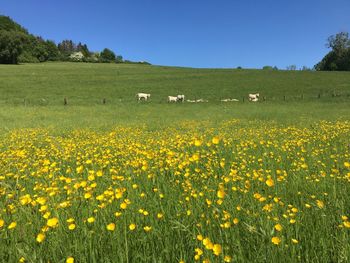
column 276, row 240
column 111, row 227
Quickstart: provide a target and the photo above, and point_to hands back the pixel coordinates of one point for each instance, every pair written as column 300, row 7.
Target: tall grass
column 240, row 191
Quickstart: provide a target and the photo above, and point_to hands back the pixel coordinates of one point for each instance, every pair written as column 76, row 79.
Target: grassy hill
column 32, row 94
column 84, row 84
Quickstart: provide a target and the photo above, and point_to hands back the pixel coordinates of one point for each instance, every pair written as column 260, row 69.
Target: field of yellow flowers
column 236, row 192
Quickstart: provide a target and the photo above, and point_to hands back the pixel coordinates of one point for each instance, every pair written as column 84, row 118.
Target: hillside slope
column 86, row 83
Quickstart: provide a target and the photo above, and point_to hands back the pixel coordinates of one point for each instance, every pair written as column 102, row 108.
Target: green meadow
column 32, row 95
column 151, row 181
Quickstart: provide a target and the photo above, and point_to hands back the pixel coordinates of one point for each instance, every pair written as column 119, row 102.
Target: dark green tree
column 83, row 49
column 107, row 55
column 8, row 24
column 52, row 50
column 67, row 47
column 11, row 46
column 119, row 59
column 339, row 57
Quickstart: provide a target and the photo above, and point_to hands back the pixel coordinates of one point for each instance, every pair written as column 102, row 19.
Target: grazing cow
column 253, row 97
column 143, row 96
column 228, row 100
column 181, row 98
column 172, row 99
column 201, row 100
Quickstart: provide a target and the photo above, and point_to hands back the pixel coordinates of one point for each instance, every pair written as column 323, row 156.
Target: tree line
column 19, row 46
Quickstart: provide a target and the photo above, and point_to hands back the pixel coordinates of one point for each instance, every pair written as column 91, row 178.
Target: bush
column 27, row 57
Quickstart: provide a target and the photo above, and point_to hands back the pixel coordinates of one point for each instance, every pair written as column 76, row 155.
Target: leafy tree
column 34, row 50
column 52, row 50
column 339, row 57
column 83, row 49
column 17, row 45
column 67, row 47
column 8, row 24
column 339, row 43
column 119, row 59
column 11, row 46
column 107, row 55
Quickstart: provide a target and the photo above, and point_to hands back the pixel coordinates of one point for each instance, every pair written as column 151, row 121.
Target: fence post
column 319, row 95
column 243, row 99
column 284, row 97
column 104, row 101
column 65, row 102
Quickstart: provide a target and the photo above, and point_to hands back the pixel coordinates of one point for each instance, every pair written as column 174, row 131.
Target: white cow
column 172, row 99
column 228, row 100
column 253, row 97
column 181, row 98
column 143, row 96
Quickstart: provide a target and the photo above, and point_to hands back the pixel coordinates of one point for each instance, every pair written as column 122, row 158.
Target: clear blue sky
column 195, row 33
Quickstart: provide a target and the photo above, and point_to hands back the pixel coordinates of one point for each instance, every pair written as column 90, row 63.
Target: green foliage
column 107, row 55
column 119, row 59
column 11, row 46
column 83, row 49
column 52, row 50
column 8, row 24
column 338, row 59
column 36, row 49
column 27, row 57
column 67, row 47
column 270, row 68
column 339, row 43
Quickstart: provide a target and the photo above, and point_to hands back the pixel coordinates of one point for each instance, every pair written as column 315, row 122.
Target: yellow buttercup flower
column 217, row 249
column 111, row 227
column 52, row 222
column 221, row 193
column 123, row 205
column 227, row 259
column 320, row 204
column 270, row 182
column 70, row 260
column 278, row 227
column 132, row 227
column 40, row 237
column 276, row 240
column 91, row 220
column 197, row 142
column 147, row 228
column 215, row 140
column 12, row 225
